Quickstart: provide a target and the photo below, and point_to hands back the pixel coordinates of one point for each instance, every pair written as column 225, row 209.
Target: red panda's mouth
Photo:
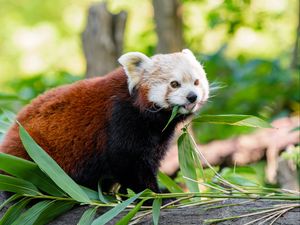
column 190, row 106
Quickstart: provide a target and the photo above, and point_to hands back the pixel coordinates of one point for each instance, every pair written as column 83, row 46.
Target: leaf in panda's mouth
column 173, row 115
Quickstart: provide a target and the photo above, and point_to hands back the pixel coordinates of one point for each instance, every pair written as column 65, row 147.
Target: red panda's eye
column 175, row 84
column 196, row 82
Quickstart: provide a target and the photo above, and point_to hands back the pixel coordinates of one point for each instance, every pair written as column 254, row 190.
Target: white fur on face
column 156, row 94
column 158, row 72
column 185, row 69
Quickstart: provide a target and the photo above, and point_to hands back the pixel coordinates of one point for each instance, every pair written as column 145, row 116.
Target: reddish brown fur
column 86, row 103
column 142, row 98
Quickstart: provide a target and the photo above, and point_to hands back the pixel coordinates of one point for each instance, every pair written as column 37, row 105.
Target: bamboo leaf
column 186, row 161
column 30, row 216
column 17, row 185
column 126, row 219
column 295, row 129
column 239, row 180
column 101, row 196
column 29, row 171
column 14, row 212
column 51, row 168
column 103, row 219
column 173, row 115
column 55, row 209
column 9, row 200
column 93, row 195
column 232, row 119
column 88, row 216
column 9, row 97
column 156, row 210
column 169, row 183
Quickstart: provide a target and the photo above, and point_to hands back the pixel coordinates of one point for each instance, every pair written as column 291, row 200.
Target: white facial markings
column 185, row 70
column 160, row 70
column 157, row 95
column 179, row 96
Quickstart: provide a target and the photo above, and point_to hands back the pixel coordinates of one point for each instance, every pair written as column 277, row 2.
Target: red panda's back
column 69, row 122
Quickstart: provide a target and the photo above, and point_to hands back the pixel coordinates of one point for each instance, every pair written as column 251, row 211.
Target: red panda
column 111, row 128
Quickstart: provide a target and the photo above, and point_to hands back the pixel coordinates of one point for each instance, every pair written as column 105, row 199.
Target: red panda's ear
column 188, row 53
column 134, row 63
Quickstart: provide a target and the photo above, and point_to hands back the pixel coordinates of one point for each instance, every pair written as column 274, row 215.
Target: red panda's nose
column 191, row 97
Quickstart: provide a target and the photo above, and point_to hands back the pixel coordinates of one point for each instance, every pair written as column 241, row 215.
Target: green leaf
column 30, row 216
column 173, row 115
column 244, row 176
column 93, row 195
column 9, row 97
column 101, row 196
column 51, row 168
column 156, row 210
column 29, row 171
column 239, row 180
column 126, row 219
column 244, row 169
column 169, row 183
column 88, row 216
column 55, row 209
column 106, row 217
column 187, row 162
column 234, row 120
column 130, row 192
column 17, row 185
column 9, row 200
column 295, row 129
column 14, row 212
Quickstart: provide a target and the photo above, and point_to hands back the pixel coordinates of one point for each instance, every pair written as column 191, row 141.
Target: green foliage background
column 38, row 37
column 245, row 45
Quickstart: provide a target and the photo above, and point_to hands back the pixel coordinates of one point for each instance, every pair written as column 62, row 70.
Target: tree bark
column 194, row 214
column 168, row 19
column 102, row 39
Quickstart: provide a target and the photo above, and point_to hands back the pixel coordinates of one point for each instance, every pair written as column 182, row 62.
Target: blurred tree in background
column 246, row 45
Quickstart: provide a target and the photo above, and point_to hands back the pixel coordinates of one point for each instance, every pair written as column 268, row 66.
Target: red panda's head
column 166, row 80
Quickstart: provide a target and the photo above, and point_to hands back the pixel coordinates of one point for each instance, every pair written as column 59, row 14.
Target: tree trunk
column 168, row 19
column 102, row 39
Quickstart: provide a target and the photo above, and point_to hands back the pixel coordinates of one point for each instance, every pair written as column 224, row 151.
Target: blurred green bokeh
column 42, row 36
column 245, row 45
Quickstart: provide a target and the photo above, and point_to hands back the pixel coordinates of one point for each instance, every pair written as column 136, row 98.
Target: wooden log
column 195, row 214
column 102, row 39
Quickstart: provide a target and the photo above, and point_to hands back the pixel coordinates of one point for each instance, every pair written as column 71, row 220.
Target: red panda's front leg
column 141, row 180
column 135, row 174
